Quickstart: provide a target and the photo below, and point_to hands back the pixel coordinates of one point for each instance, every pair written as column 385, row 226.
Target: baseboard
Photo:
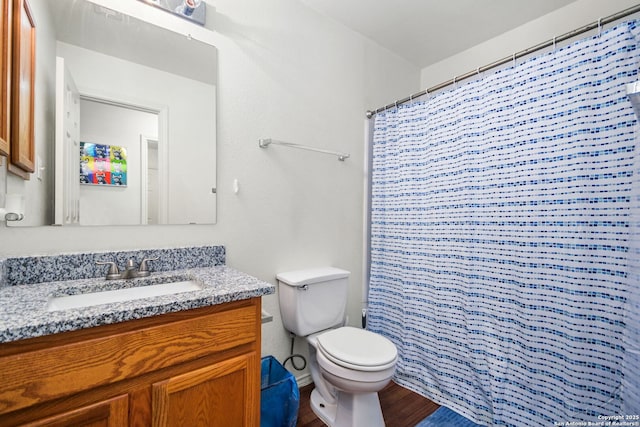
column 304, row 380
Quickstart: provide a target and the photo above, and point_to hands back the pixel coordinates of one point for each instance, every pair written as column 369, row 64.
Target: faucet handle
column 113, row 272
column 143, row 270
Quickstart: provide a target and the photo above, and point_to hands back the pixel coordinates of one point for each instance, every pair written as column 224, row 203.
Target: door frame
column 162, row 111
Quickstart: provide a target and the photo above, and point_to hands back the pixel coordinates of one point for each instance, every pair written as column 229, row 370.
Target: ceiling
column 427, row 31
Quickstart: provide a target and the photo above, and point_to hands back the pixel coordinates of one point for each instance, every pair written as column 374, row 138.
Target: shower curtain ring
column 554, row 43
column 599, row 26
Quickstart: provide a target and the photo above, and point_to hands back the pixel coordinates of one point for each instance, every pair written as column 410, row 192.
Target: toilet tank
column 313, row 300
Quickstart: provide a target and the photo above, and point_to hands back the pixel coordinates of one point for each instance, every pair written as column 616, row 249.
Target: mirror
column 141, row 100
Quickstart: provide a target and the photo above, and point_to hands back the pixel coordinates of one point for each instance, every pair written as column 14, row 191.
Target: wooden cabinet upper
column 5, row 75
column 17, row 88
column 22, row 88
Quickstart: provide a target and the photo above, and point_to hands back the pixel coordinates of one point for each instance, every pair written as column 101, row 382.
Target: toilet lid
column 357, row 348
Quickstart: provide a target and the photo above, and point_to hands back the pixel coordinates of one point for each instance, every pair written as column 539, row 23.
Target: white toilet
column 348, row 365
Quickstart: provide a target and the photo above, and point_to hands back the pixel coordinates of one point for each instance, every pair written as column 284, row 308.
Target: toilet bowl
column 348, row 365
column 358, row 357
column 355, row 364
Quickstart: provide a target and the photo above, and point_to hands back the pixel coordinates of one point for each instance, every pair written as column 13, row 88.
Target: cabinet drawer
column 43, row 374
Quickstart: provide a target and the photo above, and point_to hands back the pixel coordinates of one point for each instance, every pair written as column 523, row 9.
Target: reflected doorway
column 133, row 131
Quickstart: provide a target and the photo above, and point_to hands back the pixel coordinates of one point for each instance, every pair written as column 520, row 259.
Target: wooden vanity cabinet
column 215, row 392
column 194, row 368
column 108, row 413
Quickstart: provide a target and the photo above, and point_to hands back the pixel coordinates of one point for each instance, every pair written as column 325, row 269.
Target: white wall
column 3, row 179
column 563, row 20
column 285, row 72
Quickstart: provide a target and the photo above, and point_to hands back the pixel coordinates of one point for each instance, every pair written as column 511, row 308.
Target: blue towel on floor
column 445, row 417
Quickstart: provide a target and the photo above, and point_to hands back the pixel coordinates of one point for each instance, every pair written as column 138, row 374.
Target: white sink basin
column 120, row 295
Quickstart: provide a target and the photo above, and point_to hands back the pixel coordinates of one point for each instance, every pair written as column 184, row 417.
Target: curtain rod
column 552, row 42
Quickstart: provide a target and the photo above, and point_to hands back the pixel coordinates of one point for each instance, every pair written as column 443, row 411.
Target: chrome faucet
column 130, row 270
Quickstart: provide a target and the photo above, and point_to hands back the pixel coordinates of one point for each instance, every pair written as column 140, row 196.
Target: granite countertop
column 24, row 313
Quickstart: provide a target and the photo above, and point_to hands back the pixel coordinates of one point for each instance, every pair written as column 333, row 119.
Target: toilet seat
column 357, row 349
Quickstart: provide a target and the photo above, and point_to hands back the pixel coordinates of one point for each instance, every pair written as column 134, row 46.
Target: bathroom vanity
column 191, row 358
column 198, row 367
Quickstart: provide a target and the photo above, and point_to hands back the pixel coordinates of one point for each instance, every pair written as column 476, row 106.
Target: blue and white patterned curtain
column 500, row 237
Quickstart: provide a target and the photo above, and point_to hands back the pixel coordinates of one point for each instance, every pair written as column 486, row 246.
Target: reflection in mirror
column 119, row 132
column 140, row 102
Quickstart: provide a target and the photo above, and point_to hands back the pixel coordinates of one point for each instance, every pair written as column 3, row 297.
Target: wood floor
column 400, row 407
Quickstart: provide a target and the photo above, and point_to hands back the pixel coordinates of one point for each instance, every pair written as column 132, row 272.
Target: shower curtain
column 501, row 215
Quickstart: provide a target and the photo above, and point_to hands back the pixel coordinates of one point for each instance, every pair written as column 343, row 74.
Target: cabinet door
column 22, row 93
column 5, row 75
column 225, row 394
column 108, row 413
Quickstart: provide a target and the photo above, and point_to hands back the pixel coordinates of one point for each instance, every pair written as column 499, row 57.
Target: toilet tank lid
column 311, row 275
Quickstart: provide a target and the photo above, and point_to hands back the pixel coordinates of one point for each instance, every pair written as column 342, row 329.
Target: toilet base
column 325, row 411
column 352, row 410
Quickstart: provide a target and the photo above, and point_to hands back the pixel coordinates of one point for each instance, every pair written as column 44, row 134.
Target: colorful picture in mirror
column 103, row 164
